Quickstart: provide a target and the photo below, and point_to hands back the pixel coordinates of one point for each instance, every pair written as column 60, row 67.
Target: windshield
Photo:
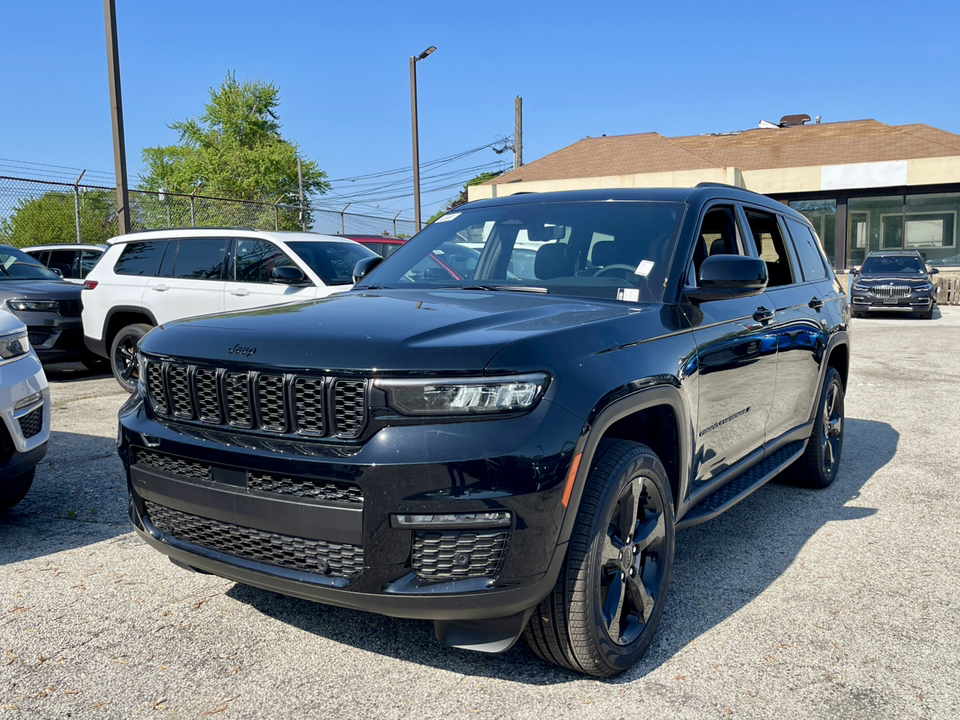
column 16, row 265
column 332, row 261
column 615, row 250
column 878, row 265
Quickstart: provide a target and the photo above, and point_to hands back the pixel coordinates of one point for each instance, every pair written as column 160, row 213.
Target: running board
column 739, row 488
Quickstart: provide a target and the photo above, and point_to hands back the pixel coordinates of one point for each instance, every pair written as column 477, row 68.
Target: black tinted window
column 332, row 261
column 200, row 259
column 256, row 258
column 808, row 250
column 766, row 235
column 141, row 258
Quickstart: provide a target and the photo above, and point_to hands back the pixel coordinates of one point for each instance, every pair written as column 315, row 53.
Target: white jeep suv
column 149, row 278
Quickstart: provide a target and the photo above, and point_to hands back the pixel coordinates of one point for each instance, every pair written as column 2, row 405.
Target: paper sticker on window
column 628, row 294
column 448, row 217
column 644, row 268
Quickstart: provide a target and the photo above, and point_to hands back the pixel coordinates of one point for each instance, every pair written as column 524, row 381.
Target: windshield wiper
column 509, row 288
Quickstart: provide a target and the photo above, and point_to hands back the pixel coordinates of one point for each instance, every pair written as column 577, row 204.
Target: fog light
column 28, row 401
column 500, row 518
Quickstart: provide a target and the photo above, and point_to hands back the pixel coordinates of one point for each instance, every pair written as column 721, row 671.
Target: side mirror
column 729, row 276
column 289, row 275
column 934, row 271
column 363, row 267
column 58, row 272
column 856, row 270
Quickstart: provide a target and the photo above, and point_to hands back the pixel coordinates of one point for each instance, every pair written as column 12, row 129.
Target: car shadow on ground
column 74, row 371
column 720, row 567
column 78, row 497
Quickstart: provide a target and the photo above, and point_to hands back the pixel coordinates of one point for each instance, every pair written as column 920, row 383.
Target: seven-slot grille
column 269, row 402
column 892, row 291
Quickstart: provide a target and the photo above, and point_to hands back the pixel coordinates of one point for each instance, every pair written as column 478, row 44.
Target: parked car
column 894, row 281
column 46, row 304
column 148, row 278
column 450, row 260
column 71, row 261
column 24, row 411
column 502, row 456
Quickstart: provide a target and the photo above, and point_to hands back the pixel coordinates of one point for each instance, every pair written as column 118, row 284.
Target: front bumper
column 914, row 303
column 25, row 430
column 210, row 501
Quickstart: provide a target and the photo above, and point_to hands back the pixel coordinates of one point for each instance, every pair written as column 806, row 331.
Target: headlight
column 37, row 305
column 455, row 396
column 861, row 288
column 14, row 345
column 926, row 287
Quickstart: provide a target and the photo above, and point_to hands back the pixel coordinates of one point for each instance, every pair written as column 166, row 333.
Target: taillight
column 89, row 284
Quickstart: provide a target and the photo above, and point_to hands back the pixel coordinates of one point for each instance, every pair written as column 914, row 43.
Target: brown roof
column 760, row 149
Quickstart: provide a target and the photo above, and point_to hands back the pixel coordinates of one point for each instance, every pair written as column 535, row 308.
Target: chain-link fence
column 41, row 211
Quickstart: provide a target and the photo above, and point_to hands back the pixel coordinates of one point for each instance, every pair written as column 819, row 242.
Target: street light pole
column 416, row 141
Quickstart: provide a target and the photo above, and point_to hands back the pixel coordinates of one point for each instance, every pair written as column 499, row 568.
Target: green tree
column 236, row 150
column 462, row 197
column 52, row 217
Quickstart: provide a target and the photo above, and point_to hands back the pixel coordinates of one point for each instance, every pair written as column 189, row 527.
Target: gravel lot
column 795, row 604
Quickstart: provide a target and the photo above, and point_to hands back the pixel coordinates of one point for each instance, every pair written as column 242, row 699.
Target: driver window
column 718, row 236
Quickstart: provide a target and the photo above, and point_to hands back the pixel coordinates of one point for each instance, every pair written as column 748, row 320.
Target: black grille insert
column 442, row 555
column 32, row 423
column 302, row 487
column 174, row 465
column 316, row 556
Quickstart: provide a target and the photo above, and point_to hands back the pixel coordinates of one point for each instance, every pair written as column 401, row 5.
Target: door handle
column 816, row 303
column 160, row 288
column 241, row 292
column 763, row 315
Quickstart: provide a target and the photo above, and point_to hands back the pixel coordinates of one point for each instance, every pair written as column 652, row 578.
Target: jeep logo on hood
column 241, row 350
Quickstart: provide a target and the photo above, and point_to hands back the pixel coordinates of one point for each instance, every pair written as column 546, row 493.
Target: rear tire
column 817, row 467
column 123, row 355
column 16, row 490
column 606, row 605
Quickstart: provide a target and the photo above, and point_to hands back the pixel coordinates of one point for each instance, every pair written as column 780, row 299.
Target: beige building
column 864, row 185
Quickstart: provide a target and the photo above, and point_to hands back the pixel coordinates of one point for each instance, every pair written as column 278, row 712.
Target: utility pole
column 518, row 133
column 414, row 59
column 116, row 114
column 303, row 215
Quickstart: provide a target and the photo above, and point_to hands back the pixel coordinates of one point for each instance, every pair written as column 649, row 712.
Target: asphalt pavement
column 795, row 604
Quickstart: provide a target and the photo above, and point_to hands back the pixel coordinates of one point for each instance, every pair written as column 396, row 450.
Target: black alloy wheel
column 818, row 466
column 608, row 600
column 123, row 355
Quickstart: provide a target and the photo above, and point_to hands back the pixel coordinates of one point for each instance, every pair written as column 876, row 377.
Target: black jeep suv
column 503, row 455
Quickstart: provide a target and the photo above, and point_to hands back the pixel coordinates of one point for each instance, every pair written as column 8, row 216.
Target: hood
column 888, row 277
column 388, row 330
column 40, row 289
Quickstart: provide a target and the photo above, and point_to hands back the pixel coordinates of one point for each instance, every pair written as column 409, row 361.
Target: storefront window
column 874, row 223
column 930, row 226
column 823, row 216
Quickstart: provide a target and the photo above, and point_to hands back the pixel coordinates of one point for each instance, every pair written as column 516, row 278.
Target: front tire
column 16, row 490
column 123, row 355
column 606, row 605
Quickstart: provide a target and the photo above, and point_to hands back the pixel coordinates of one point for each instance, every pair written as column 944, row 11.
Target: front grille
column 32, row 423
column 70, row 308
column 441, row 555
column 174, row 465
column 316, row 556
column 272, row 403
column 892, row 291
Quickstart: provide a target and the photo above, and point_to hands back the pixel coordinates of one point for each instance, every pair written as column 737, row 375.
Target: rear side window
column 141, row 258
column 770, row 245
column 200, row 259
column 808, row 250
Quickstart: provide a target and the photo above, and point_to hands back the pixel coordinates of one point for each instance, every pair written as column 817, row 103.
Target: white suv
column 149, row 278
column 24, row 411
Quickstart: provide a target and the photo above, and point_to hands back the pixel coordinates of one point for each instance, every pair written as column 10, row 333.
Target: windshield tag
column 644, row 268
column 628, row 294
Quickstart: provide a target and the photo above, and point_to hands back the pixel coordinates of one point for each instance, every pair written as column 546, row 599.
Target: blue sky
column 582, row 69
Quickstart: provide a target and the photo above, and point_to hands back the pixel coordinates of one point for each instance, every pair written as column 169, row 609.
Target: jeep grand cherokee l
column 504, row 457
